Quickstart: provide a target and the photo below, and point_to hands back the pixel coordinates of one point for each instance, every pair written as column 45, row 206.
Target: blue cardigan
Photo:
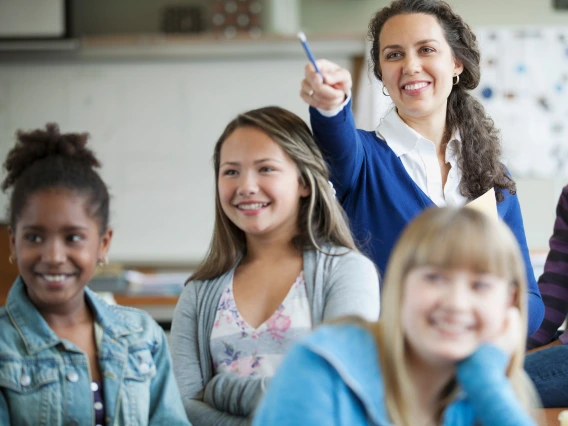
column 334, row 378
column 380, row 197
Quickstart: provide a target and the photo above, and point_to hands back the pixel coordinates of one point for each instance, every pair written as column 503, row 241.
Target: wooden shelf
column 65, row 45
column 195, row 47
column 550, row 416
column 146, row 300
column 130, row 300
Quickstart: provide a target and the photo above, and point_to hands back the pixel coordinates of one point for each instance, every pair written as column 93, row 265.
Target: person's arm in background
column 514, row 219
column 186, row 362
column 553, row 283
column 336, row 135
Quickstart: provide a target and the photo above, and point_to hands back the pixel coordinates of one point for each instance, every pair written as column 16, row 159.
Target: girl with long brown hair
column 281, row 261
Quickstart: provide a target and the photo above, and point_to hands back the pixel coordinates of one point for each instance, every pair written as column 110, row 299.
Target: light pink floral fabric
column 237, row 347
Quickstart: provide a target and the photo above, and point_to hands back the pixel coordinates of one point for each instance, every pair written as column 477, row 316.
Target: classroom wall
column 153, row 123
column 354, row 15
column 99, row 94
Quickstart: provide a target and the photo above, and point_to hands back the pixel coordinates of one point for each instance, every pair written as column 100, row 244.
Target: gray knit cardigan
column 340, row 283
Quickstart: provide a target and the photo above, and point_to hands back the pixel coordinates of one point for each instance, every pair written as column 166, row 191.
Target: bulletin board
column 524, row 88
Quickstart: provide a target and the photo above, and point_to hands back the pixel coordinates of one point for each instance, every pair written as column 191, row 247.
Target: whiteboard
column 153, row 125
column 32, row 18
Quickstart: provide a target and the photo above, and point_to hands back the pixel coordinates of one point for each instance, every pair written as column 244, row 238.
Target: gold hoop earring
column 11, row 259
column 102, row 262
column 457, row 76
column 383, row 90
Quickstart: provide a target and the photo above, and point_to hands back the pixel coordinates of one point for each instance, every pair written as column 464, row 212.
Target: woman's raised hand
column 329, row 93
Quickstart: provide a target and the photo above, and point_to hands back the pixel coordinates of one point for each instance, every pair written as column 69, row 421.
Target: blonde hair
column 448, row 238
column 321, row 219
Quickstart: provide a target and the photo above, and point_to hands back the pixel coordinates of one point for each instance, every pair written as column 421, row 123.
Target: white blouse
column 418, row 155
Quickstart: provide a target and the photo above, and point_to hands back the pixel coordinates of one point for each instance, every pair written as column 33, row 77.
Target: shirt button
column 25, row 380
column 98, row 405
column 72, row 376
column 94, row 387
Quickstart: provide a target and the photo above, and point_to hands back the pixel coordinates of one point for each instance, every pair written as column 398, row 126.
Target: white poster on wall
column 524, row 87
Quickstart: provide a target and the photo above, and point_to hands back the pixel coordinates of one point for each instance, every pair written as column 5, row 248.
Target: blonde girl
column 448, row 348
column 281, row 261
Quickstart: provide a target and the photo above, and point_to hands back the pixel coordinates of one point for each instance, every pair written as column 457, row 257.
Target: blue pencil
column 311, row 57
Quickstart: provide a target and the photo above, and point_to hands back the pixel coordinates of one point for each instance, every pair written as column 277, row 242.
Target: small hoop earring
column 103, row 262
column 457, row 76
column 11, row 259
column 383, row 90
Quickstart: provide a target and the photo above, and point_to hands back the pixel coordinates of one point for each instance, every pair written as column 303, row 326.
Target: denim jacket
column 45, row 380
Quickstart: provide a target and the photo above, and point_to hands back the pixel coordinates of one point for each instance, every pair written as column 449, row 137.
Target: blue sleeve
column 166, row 406
column 4, row 412
column 341, row 145
column 482, row 377
column 301, row 393
column 514, row 219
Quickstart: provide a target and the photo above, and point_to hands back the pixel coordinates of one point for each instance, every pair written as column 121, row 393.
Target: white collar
column 452, row 148
column 402, row 138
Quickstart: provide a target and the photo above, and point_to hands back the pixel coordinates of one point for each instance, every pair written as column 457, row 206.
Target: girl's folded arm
column 235, row 394
column 187, row 369
column 203, row 414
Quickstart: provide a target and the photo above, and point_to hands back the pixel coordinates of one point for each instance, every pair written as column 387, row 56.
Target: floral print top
column 237, row 347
